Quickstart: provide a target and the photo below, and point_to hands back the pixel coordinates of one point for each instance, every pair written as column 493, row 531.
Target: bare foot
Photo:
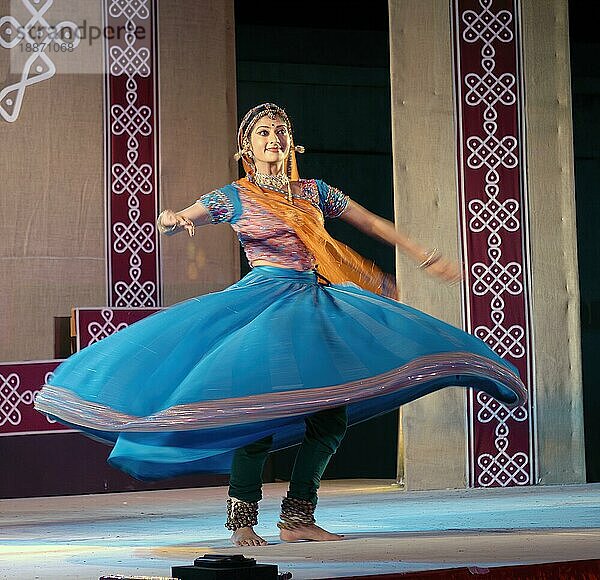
column 311, row 532
column 247, row 537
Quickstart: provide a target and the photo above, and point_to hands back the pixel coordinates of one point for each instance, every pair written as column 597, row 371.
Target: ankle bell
column 296, row 513
column 241, row 514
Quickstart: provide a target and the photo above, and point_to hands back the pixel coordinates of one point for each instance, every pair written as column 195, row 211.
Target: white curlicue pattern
column 11, row 399
column 39, row 66
column 98, row 331
column 501, row 468
column 490, row 153
column 496, row 278
column 133, row 120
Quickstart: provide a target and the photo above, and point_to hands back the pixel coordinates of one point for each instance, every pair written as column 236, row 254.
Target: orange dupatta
column 336, row 262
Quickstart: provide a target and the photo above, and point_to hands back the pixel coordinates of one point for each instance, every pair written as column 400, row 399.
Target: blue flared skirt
column 179, row 391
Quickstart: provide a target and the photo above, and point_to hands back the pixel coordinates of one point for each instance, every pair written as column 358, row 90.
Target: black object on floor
column 219, row 567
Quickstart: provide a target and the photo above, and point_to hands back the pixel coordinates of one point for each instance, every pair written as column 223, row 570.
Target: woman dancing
column 311, row 340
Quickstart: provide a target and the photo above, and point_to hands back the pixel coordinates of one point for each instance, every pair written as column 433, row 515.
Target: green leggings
column 324, row 433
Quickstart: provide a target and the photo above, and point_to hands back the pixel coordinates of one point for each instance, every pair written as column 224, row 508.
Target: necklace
column 279, row 182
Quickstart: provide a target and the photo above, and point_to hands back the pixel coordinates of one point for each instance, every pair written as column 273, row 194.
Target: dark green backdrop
column 330, row 72
column 585, row 82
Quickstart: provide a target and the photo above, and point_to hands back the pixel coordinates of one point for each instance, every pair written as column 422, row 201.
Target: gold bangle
column 162, row 228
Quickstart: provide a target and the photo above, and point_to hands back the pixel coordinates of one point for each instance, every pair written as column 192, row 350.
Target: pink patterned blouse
column 263, row 235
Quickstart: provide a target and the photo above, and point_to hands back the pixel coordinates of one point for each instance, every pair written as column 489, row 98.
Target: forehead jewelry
column 268, row 110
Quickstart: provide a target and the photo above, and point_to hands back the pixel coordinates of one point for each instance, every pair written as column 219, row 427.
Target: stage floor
column 388, row 530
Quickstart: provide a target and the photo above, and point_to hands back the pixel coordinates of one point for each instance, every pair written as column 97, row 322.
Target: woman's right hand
column 168, row 219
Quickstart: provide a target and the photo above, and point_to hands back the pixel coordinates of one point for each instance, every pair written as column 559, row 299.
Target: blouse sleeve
column 332, row 200
column 223, row 204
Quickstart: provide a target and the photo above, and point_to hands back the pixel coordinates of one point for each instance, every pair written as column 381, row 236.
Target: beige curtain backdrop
column 198, row 138
column 51, row 205
column 52, row 184
column 423, row 139
column 433, row 455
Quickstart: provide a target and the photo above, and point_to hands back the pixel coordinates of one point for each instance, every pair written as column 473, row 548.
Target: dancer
column 311, row 340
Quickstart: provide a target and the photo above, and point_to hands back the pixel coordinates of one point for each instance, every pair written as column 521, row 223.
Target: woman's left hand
column 447, row 270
